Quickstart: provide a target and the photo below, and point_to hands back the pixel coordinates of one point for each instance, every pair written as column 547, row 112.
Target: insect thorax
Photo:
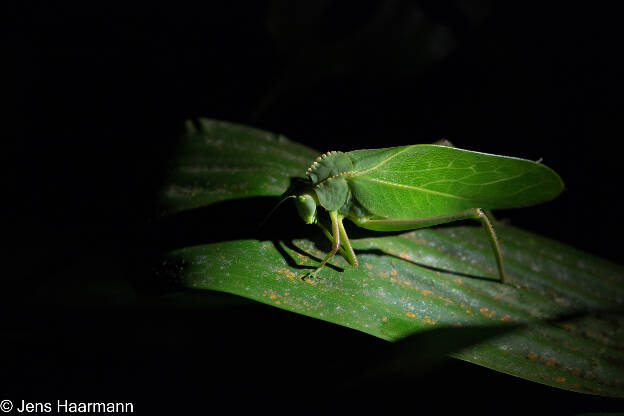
column 328, row 176
column 328, row 166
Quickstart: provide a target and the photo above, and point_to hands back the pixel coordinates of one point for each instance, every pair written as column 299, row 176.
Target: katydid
column 417, row 186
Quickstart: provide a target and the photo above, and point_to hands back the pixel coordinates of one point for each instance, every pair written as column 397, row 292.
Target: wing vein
column 382, row 162
column 416, row 188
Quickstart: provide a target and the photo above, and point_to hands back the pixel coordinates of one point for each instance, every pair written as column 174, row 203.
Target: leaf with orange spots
column 226, row 177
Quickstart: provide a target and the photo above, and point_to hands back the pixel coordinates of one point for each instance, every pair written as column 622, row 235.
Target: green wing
column 410, row 182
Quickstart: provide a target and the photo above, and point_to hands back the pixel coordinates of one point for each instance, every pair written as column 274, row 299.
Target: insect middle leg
column 345, row 244
column 472, row 213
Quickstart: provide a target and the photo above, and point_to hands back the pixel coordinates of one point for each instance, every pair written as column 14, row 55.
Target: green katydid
column 417, row 186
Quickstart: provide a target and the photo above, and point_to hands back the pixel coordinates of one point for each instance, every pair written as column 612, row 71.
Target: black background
column 99, row 93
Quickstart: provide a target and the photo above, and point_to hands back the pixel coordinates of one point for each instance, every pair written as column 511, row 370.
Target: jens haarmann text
column 66, row 406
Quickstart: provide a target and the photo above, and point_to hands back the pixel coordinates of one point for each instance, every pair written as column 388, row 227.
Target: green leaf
column 556, row 312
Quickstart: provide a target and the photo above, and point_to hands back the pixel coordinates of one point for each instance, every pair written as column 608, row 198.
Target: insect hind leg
column 472, row 213
column 487, row 225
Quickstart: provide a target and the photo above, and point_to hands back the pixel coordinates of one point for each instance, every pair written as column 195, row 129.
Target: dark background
column 99, row 93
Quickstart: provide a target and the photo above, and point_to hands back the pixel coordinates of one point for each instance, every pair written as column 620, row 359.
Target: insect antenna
column 297, row 187
column 275, row 207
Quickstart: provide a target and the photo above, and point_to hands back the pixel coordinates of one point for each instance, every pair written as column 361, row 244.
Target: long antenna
column 266, row 218
column 297, row 187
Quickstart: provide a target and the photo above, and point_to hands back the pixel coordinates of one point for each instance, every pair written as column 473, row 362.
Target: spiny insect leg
column 336, row 242
column 327, row 234
column 472, row 213
column 348, row 252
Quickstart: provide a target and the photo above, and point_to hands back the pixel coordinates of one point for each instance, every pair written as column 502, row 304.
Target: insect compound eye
column 306, row 206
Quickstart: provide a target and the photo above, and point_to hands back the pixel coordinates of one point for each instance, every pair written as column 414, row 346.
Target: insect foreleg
column 472, row 213
column 336, row 241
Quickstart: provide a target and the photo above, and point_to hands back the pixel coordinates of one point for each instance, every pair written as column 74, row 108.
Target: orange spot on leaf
column 291, row 275
column 411, row 315
column 487, row 312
